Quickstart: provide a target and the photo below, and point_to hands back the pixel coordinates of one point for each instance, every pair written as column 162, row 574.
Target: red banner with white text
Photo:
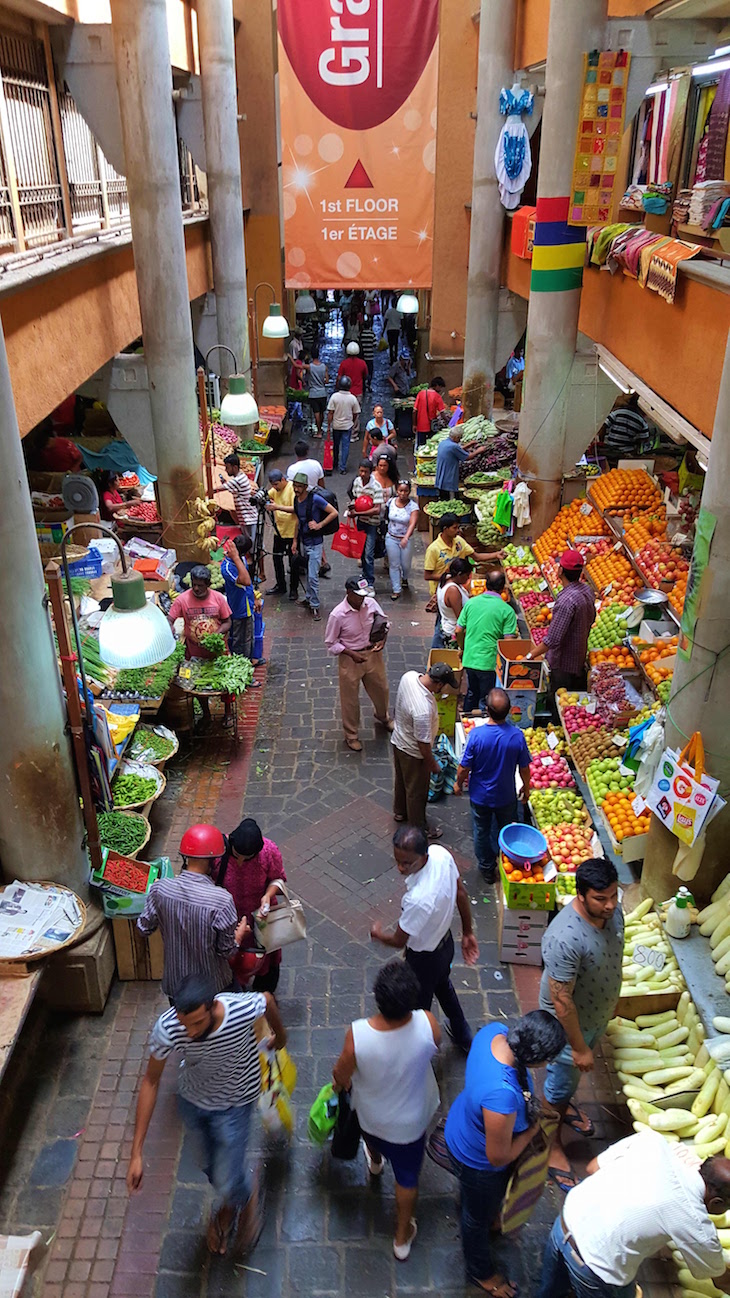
column 358, row 88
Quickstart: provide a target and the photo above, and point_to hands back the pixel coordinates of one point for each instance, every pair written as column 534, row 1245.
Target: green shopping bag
column 503, row 509
column 323, row 1115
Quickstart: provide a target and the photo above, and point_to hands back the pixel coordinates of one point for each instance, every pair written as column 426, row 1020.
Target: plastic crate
column 98, row 879
column 90, row 566
column 526, row 895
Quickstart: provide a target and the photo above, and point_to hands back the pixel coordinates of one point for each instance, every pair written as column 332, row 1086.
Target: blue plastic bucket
column 522, row 843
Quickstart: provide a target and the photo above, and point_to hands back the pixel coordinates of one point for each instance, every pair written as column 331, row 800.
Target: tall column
column 497, row 24
column 144, row 80
column 39, row 799
column 575, row 28
column 223, row 163
column 701, row 687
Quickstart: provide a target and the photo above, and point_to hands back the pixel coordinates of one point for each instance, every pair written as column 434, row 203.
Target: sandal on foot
column 574, row 1119
column 402, row 1251
column 374, row 1167
column 501, row 1287
column 564, row 1180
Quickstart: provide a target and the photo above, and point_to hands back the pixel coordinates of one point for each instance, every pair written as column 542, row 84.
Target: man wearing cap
column 400, row 376
column 348, row 638
column 343, row 414
column 283, row 522
column 311, row 513
column 566, row 643
column 416, row 724
column 355, row 369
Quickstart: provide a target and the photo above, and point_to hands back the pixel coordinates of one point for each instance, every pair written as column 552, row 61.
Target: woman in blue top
column 490, row 1124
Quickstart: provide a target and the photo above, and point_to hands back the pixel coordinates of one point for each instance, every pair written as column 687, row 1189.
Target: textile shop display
column 707, row 197
column 651, row 258
column 513, row 157
column 662, row 277
column 600, row 127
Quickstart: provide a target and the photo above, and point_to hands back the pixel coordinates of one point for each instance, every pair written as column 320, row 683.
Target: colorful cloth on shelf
column 644, row 239
column 601, row 239
column 600, row 127
column 717, row 134
column 646, row 255
column 662, row 277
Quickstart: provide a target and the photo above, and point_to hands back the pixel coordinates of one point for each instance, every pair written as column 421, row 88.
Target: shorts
column 562, row 1076
column 222, row 1138
column 317, row 405
column 406, row 1160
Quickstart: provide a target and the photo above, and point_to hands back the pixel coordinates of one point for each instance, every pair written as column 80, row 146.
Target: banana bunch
column 203, row 508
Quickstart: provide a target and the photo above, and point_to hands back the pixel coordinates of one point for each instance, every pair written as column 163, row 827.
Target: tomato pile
column 146, row 511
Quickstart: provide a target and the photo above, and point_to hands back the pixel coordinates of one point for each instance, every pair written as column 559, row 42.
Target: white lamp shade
column 238, row 406
column 275, row 325
column 135, row 637
column 305, row 304
column 408, row 304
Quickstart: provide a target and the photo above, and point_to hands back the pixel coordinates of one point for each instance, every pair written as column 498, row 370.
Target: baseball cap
column 276, row 475
column 300, row 480
column 443, row 675
column 359, row 586
column 571, row 560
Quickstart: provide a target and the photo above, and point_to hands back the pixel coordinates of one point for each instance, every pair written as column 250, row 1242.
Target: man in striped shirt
column 218, row 1089
column 197, row 920
column 241, row 488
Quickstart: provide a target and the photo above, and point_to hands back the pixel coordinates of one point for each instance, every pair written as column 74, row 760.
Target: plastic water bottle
column 679, row 921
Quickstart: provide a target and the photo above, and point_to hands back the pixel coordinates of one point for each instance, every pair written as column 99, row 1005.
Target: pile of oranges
column 678, row 593
column 626, row 488
column 516, row 875
column 620, row 815
column 637, row 531
column 619, row 655
column 615, row 570
column 569, row 522
column 651, row 658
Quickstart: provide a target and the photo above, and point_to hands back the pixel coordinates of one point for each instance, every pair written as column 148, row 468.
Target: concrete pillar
column 701, row 687
column 575, row 28
column 144, row 80
column 39, row 800
column 225, row 197
column 497, row 25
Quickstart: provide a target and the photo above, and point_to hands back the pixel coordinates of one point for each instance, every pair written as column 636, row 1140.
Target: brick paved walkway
column 67, row 1111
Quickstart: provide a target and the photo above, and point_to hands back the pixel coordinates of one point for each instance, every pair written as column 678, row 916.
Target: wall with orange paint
column 459, row 46
column 63, row 328
column 532, row 26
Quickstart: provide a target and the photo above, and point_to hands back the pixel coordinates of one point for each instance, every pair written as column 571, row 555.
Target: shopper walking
column 392, row 321
column 305, row 464
column 379, row 424
column 400, row 375
column 281, row 492
column 318, row 380
column 368, row 343
column 366, row 484
column 452, row 594
column 566, row 643
column 582, row 951
column 493, row 753
column 349, row 638
column 386, row 1063
column 198, row 922
column 401, row 515
column 218, row 1089
column 434, row 889
column 416, row 725
column 489, row 1125
column 251, row 871
column 482, row 623
column 343, row 413
column 449, row 457
column 312, row 512
column 354, row 368
column 641, row 1195
column 428, row 404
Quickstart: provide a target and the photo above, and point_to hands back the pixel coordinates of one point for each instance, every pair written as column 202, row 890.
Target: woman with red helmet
column 200, row 930
column 250, row 871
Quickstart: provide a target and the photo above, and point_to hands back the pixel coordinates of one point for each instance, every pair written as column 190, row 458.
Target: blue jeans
column 312, row 557
column 561, row 1076
column 341, row 439
column 482, row 1192
column 222, row 1138
column 399, row 562
column 564, row 1272
column 480, row 683
column 368, row 554
column 484, row 820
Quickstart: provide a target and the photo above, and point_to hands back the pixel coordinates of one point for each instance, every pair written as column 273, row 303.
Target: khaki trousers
column 410, row 795
column 372, row 675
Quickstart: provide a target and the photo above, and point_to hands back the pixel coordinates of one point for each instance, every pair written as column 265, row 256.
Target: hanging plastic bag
column 277, row 1117
column 648, row 751
column 689, row 859
column 323, row 1115
column 346, row 1137
column 503, row 509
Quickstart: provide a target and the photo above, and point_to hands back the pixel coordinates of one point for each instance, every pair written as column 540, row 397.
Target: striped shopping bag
column 529, row 1174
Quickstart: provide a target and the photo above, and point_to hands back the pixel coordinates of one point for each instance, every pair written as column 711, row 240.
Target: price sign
column 546, row 761
column 550, row 604
column 543, row 585
column 619, row 740
column 552, row 741
column 644, row 955
column 586, row 509
column 591, row 708
column 607, row 589
column 638, row 805
column 521, row 552
column 618, row 546
column 186, row 673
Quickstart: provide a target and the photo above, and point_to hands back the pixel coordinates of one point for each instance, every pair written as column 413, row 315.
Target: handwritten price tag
column 186, row 673
column 543, row 585
column 638, row 805
column 546, row 761
column 607, row 589
column 619, row 740
column 552, row 741
column 644, row 955
column 521, row 552
column 618, row 546
column 591, row 708
column 586, row 509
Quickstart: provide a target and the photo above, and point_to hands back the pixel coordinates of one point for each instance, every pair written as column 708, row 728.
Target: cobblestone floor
column 66, row 1111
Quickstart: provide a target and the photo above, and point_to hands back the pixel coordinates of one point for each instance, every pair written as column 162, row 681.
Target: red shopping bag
column 327, row 456
column 348, row 541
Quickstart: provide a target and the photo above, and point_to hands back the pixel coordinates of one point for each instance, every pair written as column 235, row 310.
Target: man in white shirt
column 643, row 1194
column 343, row 414
column 416, row 724
column 303, row 464
column 433, row 889
column 348, row 638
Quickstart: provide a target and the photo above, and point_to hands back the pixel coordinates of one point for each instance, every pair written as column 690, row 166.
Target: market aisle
column 328, row 1231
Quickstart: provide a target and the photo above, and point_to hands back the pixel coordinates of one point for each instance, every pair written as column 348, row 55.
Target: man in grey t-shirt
column 582, row 952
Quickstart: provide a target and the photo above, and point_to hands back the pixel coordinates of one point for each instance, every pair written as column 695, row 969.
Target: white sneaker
column 374, row 1168
column 402, row 1251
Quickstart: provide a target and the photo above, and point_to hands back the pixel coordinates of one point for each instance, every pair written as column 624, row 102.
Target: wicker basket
column 147, row 770
column 133, row 855
column 20, row 960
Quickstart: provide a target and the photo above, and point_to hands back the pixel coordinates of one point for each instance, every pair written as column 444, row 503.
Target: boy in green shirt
column 483, row 621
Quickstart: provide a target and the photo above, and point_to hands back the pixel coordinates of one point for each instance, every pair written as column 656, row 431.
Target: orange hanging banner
column 358, row 87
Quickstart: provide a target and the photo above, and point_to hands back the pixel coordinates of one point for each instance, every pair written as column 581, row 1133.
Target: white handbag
column 284, row 924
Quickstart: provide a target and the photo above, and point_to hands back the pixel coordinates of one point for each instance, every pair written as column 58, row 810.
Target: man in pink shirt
column 203, row 610
column 348, row 637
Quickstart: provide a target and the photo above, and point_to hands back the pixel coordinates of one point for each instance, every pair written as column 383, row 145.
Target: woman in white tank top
column 451, row 596
column 386, row 1061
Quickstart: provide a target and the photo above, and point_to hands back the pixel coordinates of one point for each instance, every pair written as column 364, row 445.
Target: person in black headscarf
column 251, row 870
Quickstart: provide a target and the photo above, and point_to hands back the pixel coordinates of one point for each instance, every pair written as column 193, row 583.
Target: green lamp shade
column 238, row 406
column 275, row 324
column 133, row 632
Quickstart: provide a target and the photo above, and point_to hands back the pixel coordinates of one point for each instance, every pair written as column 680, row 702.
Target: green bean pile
column 121, row 833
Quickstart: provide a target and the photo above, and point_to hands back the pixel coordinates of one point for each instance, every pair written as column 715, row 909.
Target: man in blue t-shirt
column 449, row 456
column 312, row 513
column 241, row 597
column 493, row 753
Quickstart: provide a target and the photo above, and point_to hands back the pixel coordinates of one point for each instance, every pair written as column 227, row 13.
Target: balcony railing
column 55, row 182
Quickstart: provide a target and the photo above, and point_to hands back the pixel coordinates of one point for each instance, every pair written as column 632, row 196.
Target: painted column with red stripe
column 575, row 28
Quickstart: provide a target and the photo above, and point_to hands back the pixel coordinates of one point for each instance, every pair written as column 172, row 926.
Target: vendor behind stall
column 112, row 501
column 566, row 643
column 203, row 611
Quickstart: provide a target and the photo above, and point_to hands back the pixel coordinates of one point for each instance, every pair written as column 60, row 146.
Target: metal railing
column 55, row 182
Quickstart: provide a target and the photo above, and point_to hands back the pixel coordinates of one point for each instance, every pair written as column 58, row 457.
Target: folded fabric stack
column 657, row 197
column 631, row 200
column 640, row 253
column 680, row 209
column 706, row 199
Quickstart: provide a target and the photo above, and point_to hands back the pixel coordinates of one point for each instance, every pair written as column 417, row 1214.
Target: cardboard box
column 513, row 669
column 452, row 658
column 138, row 957
column 523, row 706
column 520, row 936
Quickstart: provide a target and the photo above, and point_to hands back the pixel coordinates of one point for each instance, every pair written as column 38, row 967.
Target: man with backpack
column 315, row 517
